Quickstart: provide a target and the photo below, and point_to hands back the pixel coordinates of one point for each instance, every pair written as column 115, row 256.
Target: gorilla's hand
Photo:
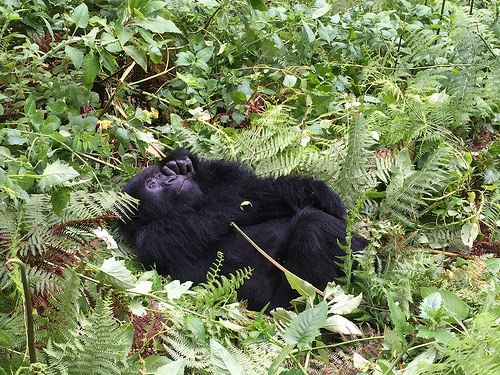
column 178, row 167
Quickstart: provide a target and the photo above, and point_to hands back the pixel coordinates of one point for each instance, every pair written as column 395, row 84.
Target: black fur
column 186, row 205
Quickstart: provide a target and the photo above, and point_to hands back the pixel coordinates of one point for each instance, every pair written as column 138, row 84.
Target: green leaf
column 159, row 25
column 469, row 233
column 223, row 362
column 185, row 59
column 91, row 68
column 14, row 137
column 124, row 34
column 344, row 303
column 305, row 327
column 59, row 199
column 138, row 55
column 453, row 304
column 55, row 174
column 339, row 324
column 80, row 16
column 30, row 106
column 75, row 55
column 321, row 7
column 300, row 285
column 175, row 289
column 188, row 79
column 195, row 325
column 161, row 365
column 117, row 274
column 259, row 5
column 289, row 80
column 401, row 326
column 205, row 54
column 273, row 369
column 309, row 32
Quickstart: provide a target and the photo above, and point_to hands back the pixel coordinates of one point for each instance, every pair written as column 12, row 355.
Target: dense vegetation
column 394, row 103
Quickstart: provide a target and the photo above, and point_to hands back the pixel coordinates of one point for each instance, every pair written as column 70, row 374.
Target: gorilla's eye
column 157, row 176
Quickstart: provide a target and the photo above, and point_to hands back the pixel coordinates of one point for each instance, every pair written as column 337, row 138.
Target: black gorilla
column 186, row 205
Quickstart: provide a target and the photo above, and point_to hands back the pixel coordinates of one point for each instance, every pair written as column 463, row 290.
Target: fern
column 353, row 179
column 45, row 240
column 492, row 214
column 407, row 187
column 475, row 353
column 196, row 353
column 219, row 288
column 98, row 345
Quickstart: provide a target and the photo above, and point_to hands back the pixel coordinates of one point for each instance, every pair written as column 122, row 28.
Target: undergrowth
column 395, row 104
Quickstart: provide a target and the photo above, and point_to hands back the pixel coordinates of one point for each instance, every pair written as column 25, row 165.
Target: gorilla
column 183, row 220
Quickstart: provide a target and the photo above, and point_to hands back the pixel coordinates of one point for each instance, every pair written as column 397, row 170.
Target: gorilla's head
column 159, row 192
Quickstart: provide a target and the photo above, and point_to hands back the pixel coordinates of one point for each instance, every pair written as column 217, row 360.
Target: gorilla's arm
column 214, row 176
column 177, row 246
column 304, row 192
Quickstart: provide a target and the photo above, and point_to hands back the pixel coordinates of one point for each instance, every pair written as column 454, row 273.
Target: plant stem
column 28, row 308
column 269, row 258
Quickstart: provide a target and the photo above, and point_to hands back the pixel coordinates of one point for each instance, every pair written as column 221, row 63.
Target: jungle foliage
column 394, row 103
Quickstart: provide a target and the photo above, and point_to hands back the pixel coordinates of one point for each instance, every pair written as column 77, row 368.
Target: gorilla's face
column 156, row 190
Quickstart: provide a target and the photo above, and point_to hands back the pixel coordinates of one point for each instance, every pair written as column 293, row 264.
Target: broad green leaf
column 289, row 80
column 188, row 79
column 452, row 303
column 175, row 289
column 398, row 318
column 309, row 32
column 469, row 233
column 205, row 54
column 137, row 308
column 493, row 264
column 142, row 287
column 117, row 274
column 145, row 137
column 185, row 59
column 30, row 106
column 223, row 362
column 305, row 327
column 259, row 5
column 415, row 366
column 321, row 7
column 138, row 55
column 161, row 365
column 55, row 174
column 75, row 55
column 4, row 153
column 80, row 16
column 159, row 25
column 91, row 69
column 124, row 34
column 196, row 326
column 339, row 324
column 14, row 137
column 300, row 285
column 344, row 304
column 431, row 307
column 59, row 199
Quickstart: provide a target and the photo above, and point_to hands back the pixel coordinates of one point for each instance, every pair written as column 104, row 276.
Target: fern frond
column 45, row 240
column 407, row 187
column 353, row 179
column 255, row 358
column 492, row 214
column 98, row 345
column 474, row 353
column 196, row 353
column 219, row 288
